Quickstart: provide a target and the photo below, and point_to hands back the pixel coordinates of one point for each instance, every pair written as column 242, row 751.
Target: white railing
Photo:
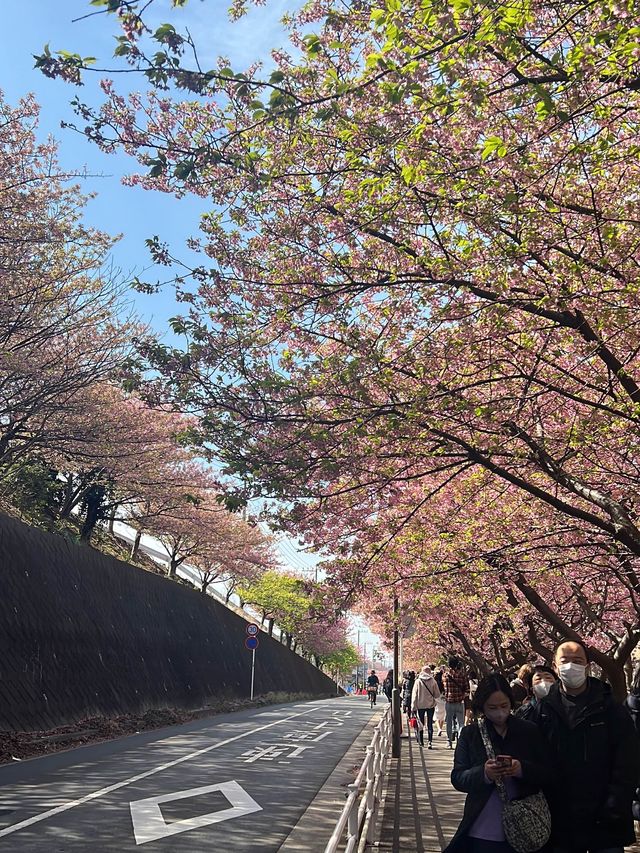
column 360, row 812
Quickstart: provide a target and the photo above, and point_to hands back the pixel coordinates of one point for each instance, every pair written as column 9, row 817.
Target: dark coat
column 596, row 769
column 632, row 704
column 522, row 741
column 407, row 688
column 527, row 710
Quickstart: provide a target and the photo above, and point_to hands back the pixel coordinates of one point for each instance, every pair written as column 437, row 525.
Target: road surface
column 236, row 782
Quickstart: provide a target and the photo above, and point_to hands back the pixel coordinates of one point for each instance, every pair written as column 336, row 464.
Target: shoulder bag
column 526, row 822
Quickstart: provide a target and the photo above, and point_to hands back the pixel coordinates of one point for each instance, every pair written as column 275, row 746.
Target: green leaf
column 183, row 170
column 164, row 31
column 493, row 145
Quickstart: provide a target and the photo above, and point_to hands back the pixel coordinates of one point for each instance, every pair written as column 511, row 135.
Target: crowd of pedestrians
column 549, row 761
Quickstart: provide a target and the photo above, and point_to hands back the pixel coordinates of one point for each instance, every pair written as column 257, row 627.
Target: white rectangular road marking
column 23, row 824
column 149, row 824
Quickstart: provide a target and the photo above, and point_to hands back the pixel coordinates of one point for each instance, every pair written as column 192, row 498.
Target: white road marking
column 149, row 825
column 272, row 751
column 23, row 824
column 297, row 735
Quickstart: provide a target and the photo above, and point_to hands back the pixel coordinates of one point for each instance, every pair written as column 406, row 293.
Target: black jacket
column 522, row 741
column 407, row 687
column 596, row 760
column 632, row 704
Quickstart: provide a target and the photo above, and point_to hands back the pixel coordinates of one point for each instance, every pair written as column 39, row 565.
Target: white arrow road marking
column 23, row 824
column 149, row 825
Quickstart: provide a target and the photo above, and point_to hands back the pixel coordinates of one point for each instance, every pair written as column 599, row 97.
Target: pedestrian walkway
column 422, row 810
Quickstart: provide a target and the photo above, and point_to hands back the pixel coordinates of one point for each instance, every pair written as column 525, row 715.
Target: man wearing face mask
column 596, row 754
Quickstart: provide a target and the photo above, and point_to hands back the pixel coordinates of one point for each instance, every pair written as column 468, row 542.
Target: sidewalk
column 422, row 809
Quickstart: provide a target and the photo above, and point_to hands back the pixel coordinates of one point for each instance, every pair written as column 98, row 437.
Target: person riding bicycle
column 372, row 686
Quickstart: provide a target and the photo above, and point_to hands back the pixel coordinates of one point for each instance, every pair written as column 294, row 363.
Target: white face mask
column 541, row 689
column 572, row 675
column 498, row 717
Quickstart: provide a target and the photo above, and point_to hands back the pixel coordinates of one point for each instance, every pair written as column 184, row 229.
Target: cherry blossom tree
column 424, row 269
column 63, row 324
column 235, row 551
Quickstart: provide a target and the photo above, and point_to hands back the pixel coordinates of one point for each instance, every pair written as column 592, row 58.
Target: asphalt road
column 236, row 782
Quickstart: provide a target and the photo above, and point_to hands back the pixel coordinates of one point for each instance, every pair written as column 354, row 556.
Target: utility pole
column 395, row 695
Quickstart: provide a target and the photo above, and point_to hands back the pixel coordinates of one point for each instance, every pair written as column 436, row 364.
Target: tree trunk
column 479, row 662
column 70, row 498
column 112, row 518
column 93, row 501
column 270, row 629
column 135, row 545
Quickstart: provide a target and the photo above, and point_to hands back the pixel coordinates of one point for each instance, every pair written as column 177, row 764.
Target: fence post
column 352, row 825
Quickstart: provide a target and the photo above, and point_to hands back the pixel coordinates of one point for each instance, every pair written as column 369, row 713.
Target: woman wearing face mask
column 521, row 762
column 538, row 685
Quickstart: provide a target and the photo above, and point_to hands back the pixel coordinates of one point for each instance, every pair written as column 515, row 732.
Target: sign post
column 252, row 644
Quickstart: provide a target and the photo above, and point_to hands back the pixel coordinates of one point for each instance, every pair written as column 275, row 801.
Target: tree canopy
column 416, row 316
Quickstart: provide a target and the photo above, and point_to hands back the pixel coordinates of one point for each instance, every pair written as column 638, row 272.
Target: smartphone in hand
column 503, row 760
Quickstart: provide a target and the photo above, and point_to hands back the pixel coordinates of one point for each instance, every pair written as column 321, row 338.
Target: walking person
column 596, row 754
column 455, row 688
column 519, row 766
column 441, row 713
column 387, row 685
column 520, row 684
column 408, row 679
column 423, row 703
column 468, row 702
column 538, row 685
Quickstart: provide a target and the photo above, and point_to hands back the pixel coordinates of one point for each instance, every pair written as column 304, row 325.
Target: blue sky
column 130, row 211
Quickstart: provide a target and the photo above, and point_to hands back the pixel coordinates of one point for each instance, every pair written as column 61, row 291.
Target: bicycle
column 372, row 697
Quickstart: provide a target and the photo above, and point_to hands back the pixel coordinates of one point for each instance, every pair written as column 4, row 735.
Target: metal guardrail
column 359, row 815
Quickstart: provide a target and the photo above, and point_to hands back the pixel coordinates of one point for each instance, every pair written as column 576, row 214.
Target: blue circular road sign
column 251, row 643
